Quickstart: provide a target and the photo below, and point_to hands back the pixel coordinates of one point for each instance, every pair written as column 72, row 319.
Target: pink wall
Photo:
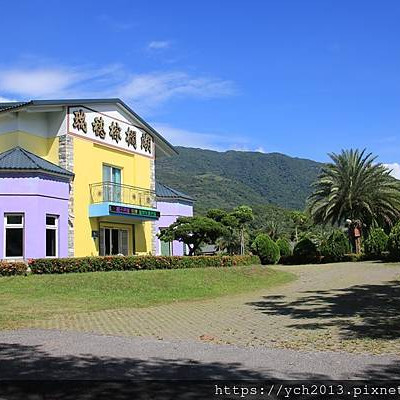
column 35, row 196
column 170, row 211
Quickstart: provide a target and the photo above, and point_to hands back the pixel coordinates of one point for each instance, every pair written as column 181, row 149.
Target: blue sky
column 298, row 77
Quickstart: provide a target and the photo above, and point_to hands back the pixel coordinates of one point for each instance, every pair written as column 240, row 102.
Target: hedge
column 133, row 263
column 12, row 268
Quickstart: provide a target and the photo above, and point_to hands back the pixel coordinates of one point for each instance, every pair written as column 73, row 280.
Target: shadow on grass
column 361, row 311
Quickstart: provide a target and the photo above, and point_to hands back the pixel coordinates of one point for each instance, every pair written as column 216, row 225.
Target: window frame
column 53, row 228
column 112, row 167
column 14, row 226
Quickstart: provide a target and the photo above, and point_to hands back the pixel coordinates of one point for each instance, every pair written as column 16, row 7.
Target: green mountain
column 231, row 178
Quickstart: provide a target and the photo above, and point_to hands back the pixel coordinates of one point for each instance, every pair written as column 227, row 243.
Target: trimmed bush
column 12, row 268
column 394, row 243
column 335, row 247
column 376, row 243
column 133, row 263
column 266, row 249
column 305, row 248
column 305, row 252
column 285, row 249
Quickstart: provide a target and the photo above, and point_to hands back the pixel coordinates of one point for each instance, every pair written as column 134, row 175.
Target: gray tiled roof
column 12, row 105
column 21, row 159
column 165, row 192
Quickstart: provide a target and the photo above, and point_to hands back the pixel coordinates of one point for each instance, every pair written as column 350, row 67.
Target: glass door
column 115, row 242
column 111, row 183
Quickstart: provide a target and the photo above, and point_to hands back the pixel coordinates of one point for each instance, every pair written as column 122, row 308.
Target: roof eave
column 38, row 171
column 169, row 199
column 166, row 147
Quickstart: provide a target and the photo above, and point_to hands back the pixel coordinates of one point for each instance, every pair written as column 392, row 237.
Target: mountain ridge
column 231, row 178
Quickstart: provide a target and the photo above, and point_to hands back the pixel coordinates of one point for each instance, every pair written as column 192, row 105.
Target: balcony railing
column 117, row 193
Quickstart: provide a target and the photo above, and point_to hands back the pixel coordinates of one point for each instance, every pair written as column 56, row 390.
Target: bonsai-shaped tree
column 193, row 231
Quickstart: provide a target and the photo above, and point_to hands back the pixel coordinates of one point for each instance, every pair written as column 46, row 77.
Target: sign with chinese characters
column 139, row 212
column 109, row 131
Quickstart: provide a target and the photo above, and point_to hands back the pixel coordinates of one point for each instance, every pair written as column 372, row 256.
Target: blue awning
column 111, row 209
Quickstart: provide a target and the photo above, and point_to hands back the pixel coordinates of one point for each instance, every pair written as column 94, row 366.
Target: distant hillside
column 232, row 178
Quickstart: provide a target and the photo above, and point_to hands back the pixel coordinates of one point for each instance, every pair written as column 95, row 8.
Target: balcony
column 124, row 194
column 112, row 199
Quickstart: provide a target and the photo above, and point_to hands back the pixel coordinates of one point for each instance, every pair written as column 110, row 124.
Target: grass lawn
column 42, row 296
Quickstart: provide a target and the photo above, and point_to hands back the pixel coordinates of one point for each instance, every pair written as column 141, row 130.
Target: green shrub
column 376, row 243
column 12, row 268
column 394, row 243
column 353, row 257
column 132, row 263
column 335, row 247
column 266, row 249
column 284, row 247
column 305, row 248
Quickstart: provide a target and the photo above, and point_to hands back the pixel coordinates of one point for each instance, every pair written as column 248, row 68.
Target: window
column 111, row 183
column 165, row 247
column 14, row 235
column 51, row 236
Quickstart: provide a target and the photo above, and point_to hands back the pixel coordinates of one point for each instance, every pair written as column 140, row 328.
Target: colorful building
column 77, row 179
column 171, row 204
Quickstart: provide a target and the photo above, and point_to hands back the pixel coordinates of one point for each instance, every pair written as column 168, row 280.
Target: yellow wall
column 46, row 148
column 88, row 168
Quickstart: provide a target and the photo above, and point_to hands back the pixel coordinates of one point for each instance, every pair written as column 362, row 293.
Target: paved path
column 41, row 354
column 351, row 307
column 282, row 332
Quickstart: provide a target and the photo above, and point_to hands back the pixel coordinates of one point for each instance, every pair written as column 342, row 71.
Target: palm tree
column 354, row 187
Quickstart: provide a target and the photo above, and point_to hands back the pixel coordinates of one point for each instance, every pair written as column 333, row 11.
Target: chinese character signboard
column 109, row 130
column 139, row 212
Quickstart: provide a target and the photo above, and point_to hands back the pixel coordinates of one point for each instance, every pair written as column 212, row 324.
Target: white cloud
column 145, row 91
column 202, row 140
column 6, row 100
column 57, row 82
column 159, row 45
column 38, row 82
column 395, row 167
column 149, row 90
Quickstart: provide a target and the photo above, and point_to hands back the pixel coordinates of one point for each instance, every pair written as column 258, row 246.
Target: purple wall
column 170, row 211
column 35, row 196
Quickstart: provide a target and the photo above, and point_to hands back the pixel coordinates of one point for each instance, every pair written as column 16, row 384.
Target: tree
column 230, row 240
column 193, row 231
column 299, row 219
column 244, row 215
column 216, row 214
column 354, row 187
